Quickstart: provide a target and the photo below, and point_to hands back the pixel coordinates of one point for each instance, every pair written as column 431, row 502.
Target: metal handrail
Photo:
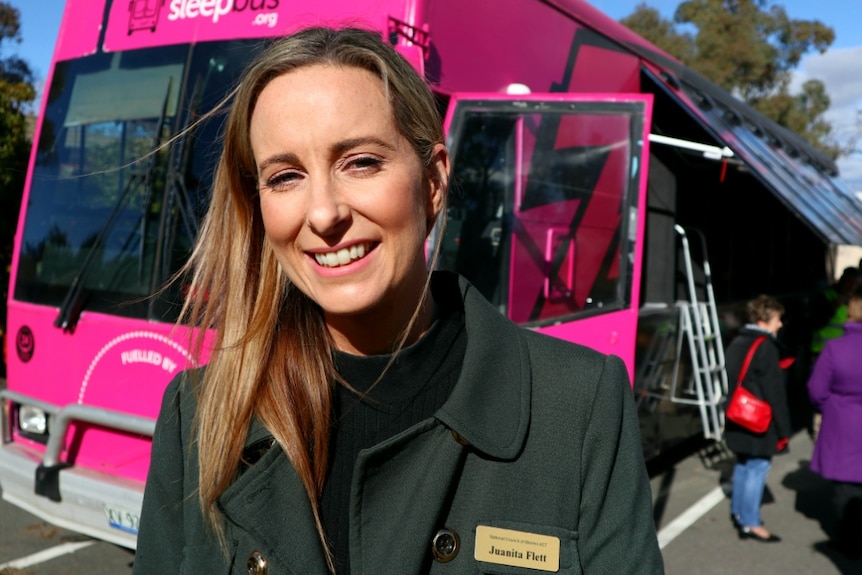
column 62, row 417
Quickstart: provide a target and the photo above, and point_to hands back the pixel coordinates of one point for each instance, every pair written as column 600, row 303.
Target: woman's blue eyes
column 362, row 165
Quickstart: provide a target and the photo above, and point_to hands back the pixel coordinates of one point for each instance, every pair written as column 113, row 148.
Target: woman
column 764, row 379
column 358, row 415
column 835, row 388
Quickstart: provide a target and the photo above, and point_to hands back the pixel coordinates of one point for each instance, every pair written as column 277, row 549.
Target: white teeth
column 341, row 257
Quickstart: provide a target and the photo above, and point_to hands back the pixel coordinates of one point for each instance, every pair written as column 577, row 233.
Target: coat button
column 445, row 545
column 257, row 564
column 458, row 438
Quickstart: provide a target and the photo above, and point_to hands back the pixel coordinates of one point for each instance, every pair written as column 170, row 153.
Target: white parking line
column 689, row 516
column 46, row 555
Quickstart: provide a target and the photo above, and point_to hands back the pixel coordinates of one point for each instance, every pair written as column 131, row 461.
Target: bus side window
column 535, row 218
column 476, row 236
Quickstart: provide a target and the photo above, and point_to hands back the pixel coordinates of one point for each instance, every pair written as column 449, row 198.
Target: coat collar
column 490, row 405
column 753, row 330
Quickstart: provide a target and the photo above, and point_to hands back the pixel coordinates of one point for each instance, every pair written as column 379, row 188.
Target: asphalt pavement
column 692, row 512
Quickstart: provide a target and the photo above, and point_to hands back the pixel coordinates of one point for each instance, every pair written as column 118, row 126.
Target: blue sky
column 844, row 16
column 40, row 21
column 840, row 68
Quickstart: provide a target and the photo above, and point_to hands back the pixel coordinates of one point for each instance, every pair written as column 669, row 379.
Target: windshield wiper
column 70, row 309
column 177, row 197
column 73, row 302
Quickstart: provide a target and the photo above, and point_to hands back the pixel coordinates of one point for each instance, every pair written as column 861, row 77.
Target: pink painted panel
column 612, row 333
column 79, row 29
column 143, row 23
column 598, row 69
column 480, row 47
column 108, row 362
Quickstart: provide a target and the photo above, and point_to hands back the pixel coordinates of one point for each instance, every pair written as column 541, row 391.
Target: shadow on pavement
column 814, row 501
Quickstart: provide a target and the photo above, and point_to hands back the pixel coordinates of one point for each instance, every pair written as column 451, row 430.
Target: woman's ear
column 438, row 183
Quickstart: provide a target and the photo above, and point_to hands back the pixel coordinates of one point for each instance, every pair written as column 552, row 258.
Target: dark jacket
column 766, row 380
column 539, row 436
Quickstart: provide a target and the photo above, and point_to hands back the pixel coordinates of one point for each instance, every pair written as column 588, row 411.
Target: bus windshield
column 107, row 213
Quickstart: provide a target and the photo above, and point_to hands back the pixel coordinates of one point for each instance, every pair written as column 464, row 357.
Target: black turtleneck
column 414, row 387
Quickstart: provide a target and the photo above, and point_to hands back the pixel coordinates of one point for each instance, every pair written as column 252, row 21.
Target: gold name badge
column 517, row 548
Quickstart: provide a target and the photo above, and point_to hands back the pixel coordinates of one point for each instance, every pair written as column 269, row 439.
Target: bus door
column 546, row 204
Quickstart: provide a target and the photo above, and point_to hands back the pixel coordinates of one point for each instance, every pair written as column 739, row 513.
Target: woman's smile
column 343, row 256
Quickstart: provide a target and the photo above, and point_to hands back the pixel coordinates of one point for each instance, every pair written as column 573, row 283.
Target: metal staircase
column 699, row 332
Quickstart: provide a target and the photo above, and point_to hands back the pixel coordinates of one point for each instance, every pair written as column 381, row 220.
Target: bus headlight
column 32, row 419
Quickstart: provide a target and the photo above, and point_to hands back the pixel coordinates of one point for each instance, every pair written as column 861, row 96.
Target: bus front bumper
column 87, row 501
column 95, row 504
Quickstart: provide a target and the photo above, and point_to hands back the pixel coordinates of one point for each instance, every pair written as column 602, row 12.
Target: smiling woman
column 343, row 201
column 358, row 413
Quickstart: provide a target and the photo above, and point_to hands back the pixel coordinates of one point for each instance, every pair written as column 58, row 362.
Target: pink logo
column 25, row 345
column 144, row 14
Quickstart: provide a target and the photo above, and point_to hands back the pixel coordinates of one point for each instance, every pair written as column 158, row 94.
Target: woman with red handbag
column 764, row 379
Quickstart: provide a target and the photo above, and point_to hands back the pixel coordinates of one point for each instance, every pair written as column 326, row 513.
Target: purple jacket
column 835, row 388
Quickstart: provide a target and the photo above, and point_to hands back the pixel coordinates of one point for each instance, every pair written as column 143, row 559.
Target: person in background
column 828, row 316
column 754, row 451
column 835, row 388
column 829, row 310
column 359, row 413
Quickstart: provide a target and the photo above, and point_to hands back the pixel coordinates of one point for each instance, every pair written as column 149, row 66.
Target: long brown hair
column 272, row 357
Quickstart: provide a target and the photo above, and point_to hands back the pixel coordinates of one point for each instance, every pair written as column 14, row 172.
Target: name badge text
column 517, row 548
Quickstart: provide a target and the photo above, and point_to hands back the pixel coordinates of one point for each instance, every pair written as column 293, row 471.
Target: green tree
column 750, row 48
column 16, row 94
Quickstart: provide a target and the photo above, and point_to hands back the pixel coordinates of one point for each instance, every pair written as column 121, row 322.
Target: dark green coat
column 538, row 436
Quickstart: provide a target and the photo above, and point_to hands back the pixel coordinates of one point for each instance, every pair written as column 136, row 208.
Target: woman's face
column 774, row 323
column 346, row 203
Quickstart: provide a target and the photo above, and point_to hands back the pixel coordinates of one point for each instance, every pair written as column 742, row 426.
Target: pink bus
column 559, row 204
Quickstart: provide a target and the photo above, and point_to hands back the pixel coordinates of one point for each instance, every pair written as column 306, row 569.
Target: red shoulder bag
column 745, row 409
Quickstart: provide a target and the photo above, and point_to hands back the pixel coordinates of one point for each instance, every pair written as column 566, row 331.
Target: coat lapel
column 269, row 502
column 400, row 492
column 490, row 405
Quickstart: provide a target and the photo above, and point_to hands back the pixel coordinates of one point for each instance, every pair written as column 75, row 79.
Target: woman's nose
column 327, row 212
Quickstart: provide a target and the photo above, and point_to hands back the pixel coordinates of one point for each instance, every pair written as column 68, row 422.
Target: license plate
column 122, row 519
